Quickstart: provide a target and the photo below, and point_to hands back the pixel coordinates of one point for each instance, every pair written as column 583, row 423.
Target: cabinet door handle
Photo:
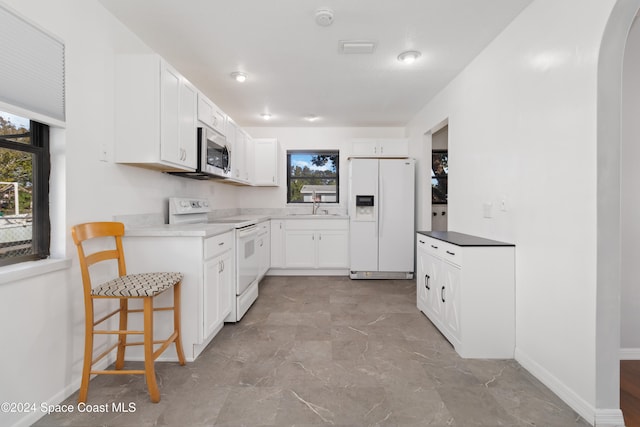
column 313, row 237
column 280, row 226
column 319, row 236
column 442, row 294
column 426, row 282
column 221, row 243
column 434, row 246
column 421, row 241
column 450, row 253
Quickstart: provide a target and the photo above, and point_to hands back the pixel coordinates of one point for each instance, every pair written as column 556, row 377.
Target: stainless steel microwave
column 214, row 154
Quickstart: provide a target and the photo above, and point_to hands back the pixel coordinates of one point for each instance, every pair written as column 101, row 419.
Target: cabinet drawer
column 218, row 244
column 451, row 253
column 431, row 245
column 440, row 249
column 264, row 227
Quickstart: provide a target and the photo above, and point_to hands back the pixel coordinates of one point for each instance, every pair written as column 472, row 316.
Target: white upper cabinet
column 242, row 156
column 265, row 158
column 211, row 115
column 156, row 118
column 249, row 156
column 375, row 147
column 238, row 154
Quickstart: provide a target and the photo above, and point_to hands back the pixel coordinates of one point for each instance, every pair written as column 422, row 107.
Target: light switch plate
column 487, row 210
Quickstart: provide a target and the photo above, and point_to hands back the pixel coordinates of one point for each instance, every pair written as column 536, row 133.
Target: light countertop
column 181, row 230
column 310, row 216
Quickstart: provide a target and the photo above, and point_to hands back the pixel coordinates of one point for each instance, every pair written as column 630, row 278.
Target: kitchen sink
column 316, row 215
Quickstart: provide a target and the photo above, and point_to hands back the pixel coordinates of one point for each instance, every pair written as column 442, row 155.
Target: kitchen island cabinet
column 466, row 286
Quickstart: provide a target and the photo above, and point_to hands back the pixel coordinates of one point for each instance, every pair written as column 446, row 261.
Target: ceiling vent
column 349, row 47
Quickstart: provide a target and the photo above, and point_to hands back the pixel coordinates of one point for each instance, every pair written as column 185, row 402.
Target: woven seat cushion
column 137, row 285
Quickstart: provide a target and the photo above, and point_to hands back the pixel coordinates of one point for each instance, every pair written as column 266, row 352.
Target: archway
column 610, row 64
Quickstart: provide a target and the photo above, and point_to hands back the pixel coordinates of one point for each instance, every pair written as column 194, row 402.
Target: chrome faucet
column 316, row 203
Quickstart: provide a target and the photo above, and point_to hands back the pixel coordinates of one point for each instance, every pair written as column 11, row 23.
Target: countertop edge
column 189, row 230
column 309, row 216
column 464, row 240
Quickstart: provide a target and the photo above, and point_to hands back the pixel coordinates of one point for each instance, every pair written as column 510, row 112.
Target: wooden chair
column 134, row 286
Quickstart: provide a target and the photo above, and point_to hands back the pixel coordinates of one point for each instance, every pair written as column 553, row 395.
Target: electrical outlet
column 487, row 210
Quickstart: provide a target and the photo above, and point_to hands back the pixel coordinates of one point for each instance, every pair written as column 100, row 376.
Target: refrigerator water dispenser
column 364, row 208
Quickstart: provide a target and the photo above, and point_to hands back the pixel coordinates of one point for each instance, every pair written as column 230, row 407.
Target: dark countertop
column 461, row 239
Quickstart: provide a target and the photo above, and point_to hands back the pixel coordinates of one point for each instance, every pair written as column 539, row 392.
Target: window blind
column 31, row 67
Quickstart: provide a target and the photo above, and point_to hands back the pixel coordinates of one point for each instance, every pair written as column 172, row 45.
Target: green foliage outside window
column 318, row 171
column 16, row 167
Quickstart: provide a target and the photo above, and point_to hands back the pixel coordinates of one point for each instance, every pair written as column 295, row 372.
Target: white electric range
column 193, row 210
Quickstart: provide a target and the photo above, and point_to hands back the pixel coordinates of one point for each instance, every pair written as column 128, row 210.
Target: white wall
column 301, row 138
column 522, row 126
column 630, row 198
column 43, row 316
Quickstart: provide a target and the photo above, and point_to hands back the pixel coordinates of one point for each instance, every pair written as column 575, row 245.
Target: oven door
column 247, row 257
column 215, row 155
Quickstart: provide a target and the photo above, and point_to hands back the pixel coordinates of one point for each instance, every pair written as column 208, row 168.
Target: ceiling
column 294, row 65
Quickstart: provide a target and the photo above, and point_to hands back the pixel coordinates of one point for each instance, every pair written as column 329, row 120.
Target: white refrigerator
column 381, row 211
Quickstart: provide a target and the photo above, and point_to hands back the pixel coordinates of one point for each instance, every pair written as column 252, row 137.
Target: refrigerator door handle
column 380, row 199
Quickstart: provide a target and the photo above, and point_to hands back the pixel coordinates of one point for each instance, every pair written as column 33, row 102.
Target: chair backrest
column 92, row 230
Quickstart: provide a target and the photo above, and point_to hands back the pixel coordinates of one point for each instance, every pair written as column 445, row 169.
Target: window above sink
column 312, row 175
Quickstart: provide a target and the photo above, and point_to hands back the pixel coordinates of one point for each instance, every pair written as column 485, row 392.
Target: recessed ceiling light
column 311, row 118
column 266, row 116
column 239, row 76
column 409, row 57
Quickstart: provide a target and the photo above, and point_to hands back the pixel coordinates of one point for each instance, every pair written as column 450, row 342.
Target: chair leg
column 122, row 338
column 149, row 369
column 176, row 322
column 88, row 351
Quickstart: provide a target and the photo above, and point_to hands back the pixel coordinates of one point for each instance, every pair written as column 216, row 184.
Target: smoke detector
column 324, row 17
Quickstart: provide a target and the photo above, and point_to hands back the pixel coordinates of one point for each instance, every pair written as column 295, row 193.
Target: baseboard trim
column 60, row 396
column 630, row 354
column 577, row 403
column 609, row 418
column 307, row 272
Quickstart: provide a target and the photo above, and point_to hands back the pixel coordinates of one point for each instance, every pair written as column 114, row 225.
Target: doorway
column 439, row 179
column 630, row 231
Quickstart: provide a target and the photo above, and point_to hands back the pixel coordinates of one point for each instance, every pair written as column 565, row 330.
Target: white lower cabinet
column 316, row 243
column 300, row 248
column 277, row 243
column 264, row 248
column 207, row 290
column 310, row 244
column 218, row 282
column 332, row 249
column 467, row 290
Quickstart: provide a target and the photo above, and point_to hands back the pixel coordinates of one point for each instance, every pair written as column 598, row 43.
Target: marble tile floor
column 329, row 351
